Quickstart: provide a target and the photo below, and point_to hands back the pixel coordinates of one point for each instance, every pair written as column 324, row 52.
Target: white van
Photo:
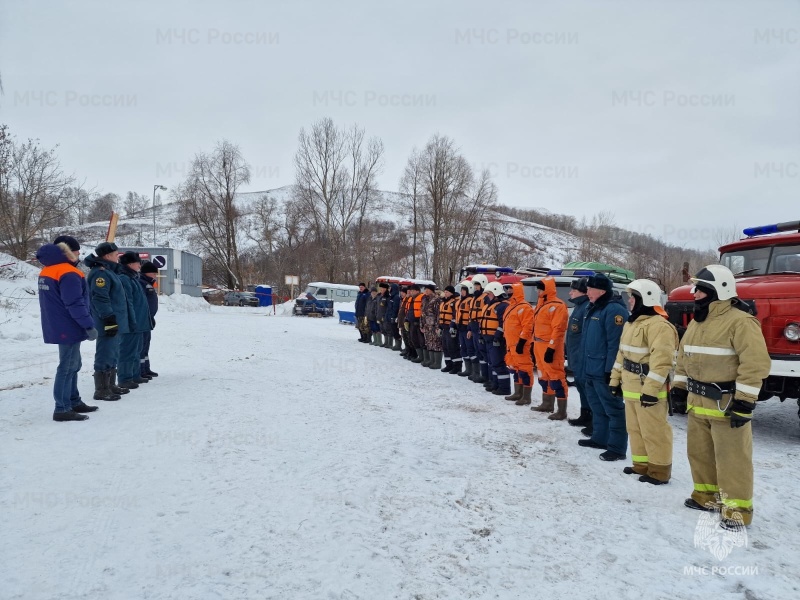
column 337, row 292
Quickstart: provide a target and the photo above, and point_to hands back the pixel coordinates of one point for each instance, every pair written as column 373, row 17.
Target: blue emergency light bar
column 775, row 228
column 572, row 272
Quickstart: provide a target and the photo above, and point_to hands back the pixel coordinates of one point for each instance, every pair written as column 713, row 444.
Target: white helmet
column 481, row 279
column 466, row 284
column 647, row 290
column 718, row 278
column 496, row 289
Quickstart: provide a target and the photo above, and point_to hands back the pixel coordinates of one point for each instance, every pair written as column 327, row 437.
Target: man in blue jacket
column 602, row 330
column 361, row 313
column 110, row 313
column 147, row 279
column 391, row 317
column 66, row 321
column 580, row 302
column 130, row 346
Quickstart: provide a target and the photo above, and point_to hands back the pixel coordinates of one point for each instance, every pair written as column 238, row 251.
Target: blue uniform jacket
column 139, row 315
column 602, row 329
column 574, row 335
column 394, row 303
column 63, row 298
column 361, row 304
column 150, row 293
column 106, row 293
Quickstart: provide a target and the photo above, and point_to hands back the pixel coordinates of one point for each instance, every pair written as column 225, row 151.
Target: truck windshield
column 763, row 261
column 312, row 289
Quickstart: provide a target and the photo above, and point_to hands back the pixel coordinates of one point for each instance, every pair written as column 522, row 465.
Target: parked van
column 337, row 292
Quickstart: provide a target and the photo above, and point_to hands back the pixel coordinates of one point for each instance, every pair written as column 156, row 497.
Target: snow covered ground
column 275, row 457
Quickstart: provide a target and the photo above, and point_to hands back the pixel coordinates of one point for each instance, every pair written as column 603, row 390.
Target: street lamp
column 155, row 187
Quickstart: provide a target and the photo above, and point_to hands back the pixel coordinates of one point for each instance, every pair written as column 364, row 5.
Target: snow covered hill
column 275, row 457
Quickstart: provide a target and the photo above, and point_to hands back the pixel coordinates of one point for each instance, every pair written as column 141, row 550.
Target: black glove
column 91, row 333
column 616, row 390
column 647, row 400
column 110, row 326
column 608, row 377
column 549, row 354
column 521, row 345
column 152, row 323
column 740, row 413
column 453, row 332
column 679, row 398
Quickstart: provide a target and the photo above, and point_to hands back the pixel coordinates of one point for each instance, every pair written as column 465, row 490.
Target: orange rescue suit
column 549, row 329
column 518, row 324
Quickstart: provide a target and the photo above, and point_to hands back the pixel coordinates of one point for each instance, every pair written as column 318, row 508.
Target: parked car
column 240, row 299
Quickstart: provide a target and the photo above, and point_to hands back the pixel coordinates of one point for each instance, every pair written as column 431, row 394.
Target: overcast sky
column 681, row 118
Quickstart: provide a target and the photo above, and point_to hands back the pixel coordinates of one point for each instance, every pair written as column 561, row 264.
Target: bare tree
column 102, row 207
column 412, row 189
column 335, row 188
column 207, row 198
column 135, row 204
column 449, row 203
column 33, row 193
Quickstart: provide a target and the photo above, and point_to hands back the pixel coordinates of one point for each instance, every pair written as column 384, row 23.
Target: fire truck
column 766, row 264
column 505, row 275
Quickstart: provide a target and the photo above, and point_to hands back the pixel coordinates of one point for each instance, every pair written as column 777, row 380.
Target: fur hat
column 383, row 285
column 450, row 289
column 579, row 284
column 130, row 257
column 600, row 282
column 414, row 286
column 70, row 241
column 148, row 267
column 105, row 248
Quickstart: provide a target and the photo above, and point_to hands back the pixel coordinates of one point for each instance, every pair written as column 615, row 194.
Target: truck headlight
column 792, row 332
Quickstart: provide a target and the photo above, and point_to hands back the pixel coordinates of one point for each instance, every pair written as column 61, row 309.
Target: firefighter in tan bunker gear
column 722, row 361
column 644, row 362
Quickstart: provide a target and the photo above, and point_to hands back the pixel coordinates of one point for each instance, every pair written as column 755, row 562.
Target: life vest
column 488, row 319
column 416, row 303
column 447, row 311
column 477, row 307
column 464, row 309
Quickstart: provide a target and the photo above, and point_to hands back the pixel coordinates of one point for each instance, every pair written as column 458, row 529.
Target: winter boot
column 448, row 365
column 582, row 421
column 517, row 392
column 436, row 361
column 69, row 416
column 418, row 357
column 456, row 370
column 101, row 390
column 140, row 380
column 479, row 378
column 398, row 345
column 150, row 373
column 387, row 342
column 379, row 339
column 80, row 407
column 587, row 431
column 548, row 402
column 364, row 339
column 112, row 378
column 426, row 357
column 561, row 413
column 467, row 368
column 526, row 397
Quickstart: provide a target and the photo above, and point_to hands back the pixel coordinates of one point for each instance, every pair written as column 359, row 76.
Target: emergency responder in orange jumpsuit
column 640, row 373
column 549, row 328
column 518, row 331
column 722, row 362
column 465, row 341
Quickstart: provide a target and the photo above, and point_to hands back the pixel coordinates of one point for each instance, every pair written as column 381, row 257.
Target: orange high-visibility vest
column 464, row 309
column 447, row 311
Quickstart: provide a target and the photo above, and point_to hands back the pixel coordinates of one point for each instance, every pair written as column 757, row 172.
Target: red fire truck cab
column 766, row 265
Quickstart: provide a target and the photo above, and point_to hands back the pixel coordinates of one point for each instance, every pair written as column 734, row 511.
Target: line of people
column 623, row 358
column 114, row 306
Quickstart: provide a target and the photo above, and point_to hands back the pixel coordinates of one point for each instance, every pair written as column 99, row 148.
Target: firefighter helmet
column 647, row 290
column 496, row 289
column 466, row 284
column 480, row 279
column 717, row 278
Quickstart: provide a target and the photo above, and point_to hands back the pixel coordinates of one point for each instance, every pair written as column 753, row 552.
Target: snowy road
column 278, row 458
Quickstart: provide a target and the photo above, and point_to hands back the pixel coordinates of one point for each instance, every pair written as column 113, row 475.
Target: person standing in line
column 430, row 327
column 130, row 348
column 361, row 313
column 549, row 328
column 401, row 322
column 602, row 331
column 722, row 362
column 479, row 283
column 66, row 321
column 518, row 332
column 109, row 307
column 391, row 317
column 499, row 382
column 148, row 281
column 643, row 365
column 448, row 331
column 580, row 303
column 371, row 312
column 465, row 341
column 384, row 300
column 413, row 316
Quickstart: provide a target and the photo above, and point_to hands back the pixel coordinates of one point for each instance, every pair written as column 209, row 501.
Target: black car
column 240, row 299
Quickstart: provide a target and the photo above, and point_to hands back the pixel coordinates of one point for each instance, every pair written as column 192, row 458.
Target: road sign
column 292, row 280
column 160, row 261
